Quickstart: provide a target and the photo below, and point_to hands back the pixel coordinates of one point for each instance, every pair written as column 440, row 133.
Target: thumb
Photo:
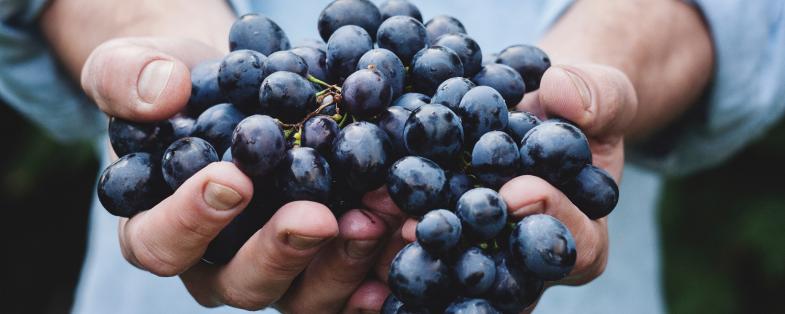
column 142, row 79
column 601, row 100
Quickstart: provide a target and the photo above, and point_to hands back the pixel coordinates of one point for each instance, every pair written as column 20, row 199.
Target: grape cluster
column 385, row 100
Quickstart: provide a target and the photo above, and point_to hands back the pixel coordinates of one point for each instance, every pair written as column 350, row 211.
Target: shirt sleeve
column 746, row 96
column 32, row 81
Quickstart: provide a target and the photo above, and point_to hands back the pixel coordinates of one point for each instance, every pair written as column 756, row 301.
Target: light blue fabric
column 747, row 97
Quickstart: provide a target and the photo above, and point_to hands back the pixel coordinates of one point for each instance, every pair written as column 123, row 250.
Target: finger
column 271, row 259
column 601, row 100
column 395, row 244
column 531, row 103
column 174, row 234
column 528, row 195
column 339, row 268
column 368, row 298
column 142, row 79
column 409, row 230
column 379, row 202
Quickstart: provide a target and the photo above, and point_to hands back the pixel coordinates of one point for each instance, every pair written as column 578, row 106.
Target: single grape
column 520, row 123
column 416, row 185
column 482, row 110
column 392, row 121
column 131, row 184
column 239, row 77
column 312, row 43
column 182, row 126
column 432, row 66
column 366, row 93
column 361, row 154
column 304, row 175
column 315, row 59
column 438, row 232
column 392, row 8
column 483, row 213
column 495, row 159
column 554, row 151
column 471, row 306
column 319, row 133
column 475, row 271
column 184, row 158
column 391, row 305
column 216, row 125
column 227, row 156
column 466, row 48
column 287, row 96
column 434, row 132
column 503, row 79
column 258, row 145
column 443, row 24
column 284, row 61
column 542, row 245
column 593, row 191
column 403, row 35
column 417, row 278
column 457, row 184
column 530, row 62
column 513, row 290
column 259, row 33
column 340, row 13
column 344, row 49
column 411, row 101
column 138, row 137
column 389, row 65
column 451, row 91
column 205, row 91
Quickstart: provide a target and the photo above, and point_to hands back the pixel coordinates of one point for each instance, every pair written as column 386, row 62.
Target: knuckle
column 197, row 229
column 156, row 262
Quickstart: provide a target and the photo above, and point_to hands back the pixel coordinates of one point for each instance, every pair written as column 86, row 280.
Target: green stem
column 318, row 81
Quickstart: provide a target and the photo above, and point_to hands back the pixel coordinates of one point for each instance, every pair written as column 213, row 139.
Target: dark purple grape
column 361, row 154
column 530, row 62
column 239, row 77
column 495, row 159
column 432, row 66
column 339, row 13
column 287, row 96
column 411, row 101
column 451, row 91
column 391, row 305
column 344, row 49
column 555, row 151
column 438, row 232
column 389, row 65
column 512, row 290
column 416, row 185
column 475, row 271
column 319, row 133
column 259, row 33
column 205, row 91
column 457, row 184
column 593, row 191
column 131, row 184
column 138, row 137
column 315, row 59
column 519, row 124
column 312, row 43
column 434, row 132
column 392, row 121
column 184, row 158
column 482, row 110
column 392, row 8
column 443, row 24
column 258, row 145
column 466, row 48
column 284, row 61
column 503, row 79
column 403, row 35
column 365, row 94
column 471, row 306
column 543, row 246
column 483, row 213
column 417, row 278
column 216, row 125
column 304, row 175
column 182, row 126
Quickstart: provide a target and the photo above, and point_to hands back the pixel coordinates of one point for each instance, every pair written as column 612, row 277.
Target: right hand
column 147, row 79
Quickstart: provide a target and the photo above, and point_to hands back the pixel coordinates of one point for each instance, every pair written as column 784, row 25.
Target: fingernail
column 580, row 86
column 535, row 208
column 221, row 197
column 360, row 248
column 153, row 80
column 302, row 242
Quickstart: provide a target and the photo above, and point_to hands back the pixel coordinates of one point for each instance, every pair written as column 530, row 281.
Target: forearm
column 663, row 47
column 75, row 27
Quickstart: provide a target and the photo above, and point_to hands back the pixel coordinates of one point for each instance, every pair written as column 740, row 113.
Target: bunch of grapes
column 386, row 100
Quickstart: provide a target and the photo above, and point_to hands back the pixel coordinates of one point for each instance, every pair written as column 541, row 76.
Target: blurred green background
column 723, row 230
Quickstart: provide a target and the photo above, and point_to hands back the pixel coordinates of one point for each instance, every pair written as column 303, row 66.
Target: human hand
column 147, row 79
